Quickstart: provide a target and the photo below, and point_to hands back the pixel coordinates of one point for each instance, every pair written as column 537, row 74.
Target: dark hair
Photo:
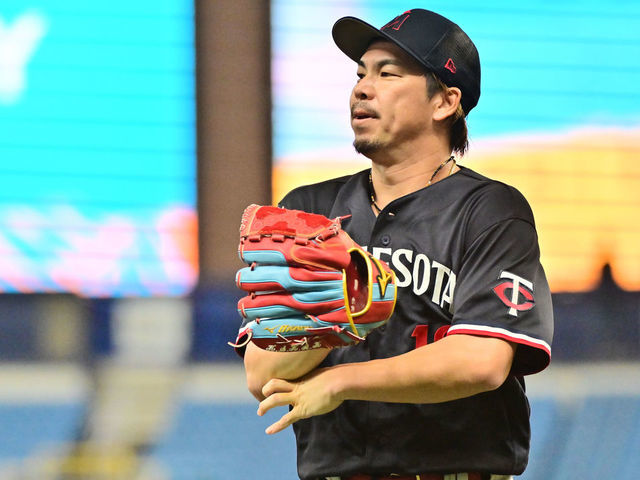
column 458, row 133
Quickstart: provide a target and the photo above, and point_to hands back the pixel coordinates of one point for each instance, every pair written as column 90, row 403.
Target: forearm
column 261, row 366
column 445, row 370
column 452, row 368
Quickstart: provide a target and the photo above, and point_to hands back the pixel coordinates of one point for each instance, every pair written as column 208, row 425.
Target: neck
column 394, row 180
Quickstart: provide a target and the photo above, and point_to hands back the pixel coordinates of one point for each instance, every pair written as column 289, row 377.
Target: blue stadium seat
column 225, row 441
column 631, row 450
column 29, row 429
column 546, row 421
column 604, row 440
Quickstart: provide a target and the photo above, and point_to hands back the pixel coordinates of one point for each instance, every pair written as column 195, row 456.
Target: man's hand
column 311, row 395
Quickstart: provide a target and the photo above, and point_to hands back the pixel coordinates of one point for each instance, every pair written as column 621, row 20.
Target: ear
column 448, row 104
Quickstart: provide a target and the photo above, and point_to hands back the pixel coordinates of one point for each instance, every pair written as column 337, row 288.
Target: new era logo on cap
column 450, row 66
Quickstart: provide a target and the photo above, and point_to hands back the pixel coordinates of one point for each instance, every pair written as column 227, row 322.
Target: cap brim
column 353, row 37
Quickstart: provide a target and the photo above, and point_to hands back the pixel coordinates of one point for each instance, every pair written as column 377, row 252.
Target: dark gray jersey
column 466, row 256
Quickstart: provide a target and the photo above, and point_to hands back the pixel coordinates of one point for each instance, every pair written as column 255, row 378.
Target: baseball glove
column 309, row 284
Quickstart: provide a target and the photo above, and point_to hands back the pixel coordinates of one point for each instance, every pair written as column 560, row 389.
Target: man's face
column 389, row 103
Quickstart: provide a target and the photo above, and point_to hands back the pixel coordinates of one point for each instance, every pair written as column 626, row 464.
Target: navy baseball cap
column 435, row 42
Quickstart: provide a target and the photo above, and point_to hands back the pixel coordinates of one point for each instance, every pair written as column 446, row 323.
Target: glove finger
column 277, row 236
column 275, row 278
column 267, row 257
column 329, row 254
column 275, row 305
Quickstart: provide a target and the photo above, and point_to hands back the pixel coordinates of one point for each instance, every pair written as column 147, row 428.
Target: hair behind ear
column 458, row 133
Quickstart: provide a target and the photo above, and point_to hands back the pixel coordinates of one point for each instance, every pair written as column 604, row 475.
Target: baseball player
column 437, row 392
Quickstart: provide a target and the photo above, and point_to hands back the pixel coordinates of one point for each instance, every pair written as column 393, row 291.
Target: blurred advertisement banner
column 97, row 141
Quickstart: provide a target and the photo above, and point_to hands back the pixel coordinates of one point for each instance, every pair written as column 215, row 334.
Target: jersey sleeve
column 502, row 292
column 317, row 198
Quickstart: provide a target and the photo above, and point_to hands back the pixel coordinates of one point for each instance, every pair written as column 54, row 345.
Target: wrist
column 339, row 382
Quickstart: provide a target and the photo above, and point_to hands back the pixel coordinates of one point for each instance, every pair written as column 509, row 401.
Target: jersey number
column 421, row 334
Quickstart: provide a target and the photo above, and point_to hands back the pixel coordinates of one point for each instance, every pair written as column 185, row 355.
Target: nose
column 364, row 89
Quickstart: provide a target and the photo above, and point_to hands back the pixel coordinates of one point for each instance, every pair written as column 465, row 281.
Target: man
column 437, row 393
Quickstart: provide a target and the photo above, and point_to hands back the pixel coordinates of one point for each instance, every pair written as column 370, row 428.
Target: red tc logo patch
column 520, row 290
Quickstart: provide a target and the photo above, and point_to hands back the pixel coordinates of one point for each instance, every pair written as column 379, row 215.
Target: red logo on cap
column 450, row 66
column 397, row 22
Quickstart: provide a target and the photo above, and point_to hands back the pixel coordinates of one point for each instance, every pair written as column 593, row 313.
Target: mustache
column 362, row 108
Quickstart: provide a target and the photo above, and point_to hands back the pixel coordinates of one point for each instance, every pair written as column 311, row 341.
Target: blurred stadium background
column 132, row 136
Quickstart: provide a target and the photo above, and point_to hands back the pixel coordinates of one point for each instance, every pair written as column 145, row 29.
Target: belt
column 422, row 476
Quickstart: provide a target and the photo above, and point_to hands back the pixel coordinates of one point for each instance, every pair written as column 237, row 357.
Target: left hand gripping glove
column 310, row 285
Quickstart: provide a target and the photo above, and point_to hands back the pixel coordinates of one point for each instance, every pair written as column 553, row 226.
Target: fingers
column 281, row 424
column 276, row 394
column 305, row 397
column 276, row 385
column 272, row 401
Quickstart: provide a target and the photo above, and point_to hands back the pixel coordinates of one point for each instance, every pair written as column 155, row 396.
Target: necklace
column 372, row 192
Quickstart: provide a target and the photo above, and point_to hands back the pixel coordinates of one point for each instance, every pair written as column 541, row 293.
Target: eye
column 386, row 73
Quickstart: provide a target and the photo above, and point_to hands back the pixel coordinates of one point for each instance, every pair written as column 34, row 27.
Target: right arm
column 261, row 366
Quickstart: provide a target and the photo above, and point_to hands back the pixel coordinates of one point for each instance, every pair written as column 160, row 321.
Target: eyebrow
column 381, row 63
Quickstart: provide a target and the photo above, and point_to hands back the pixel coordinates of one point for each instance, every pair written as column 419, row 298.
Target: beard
column 367, row 147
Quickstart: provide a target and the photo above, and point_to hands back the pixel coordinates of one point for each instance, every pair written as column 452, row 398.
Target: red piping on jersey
column 495, row 332
column 501, row 333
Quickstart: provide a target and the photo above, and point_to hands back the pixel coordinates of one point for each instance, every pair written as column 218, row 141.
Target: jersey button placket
column 385, row 240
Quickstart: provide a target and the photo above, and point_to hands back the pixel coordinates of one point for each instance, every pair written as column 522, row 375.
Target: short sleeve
column 317, row 198
column 293, row 200
column 502, row 292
